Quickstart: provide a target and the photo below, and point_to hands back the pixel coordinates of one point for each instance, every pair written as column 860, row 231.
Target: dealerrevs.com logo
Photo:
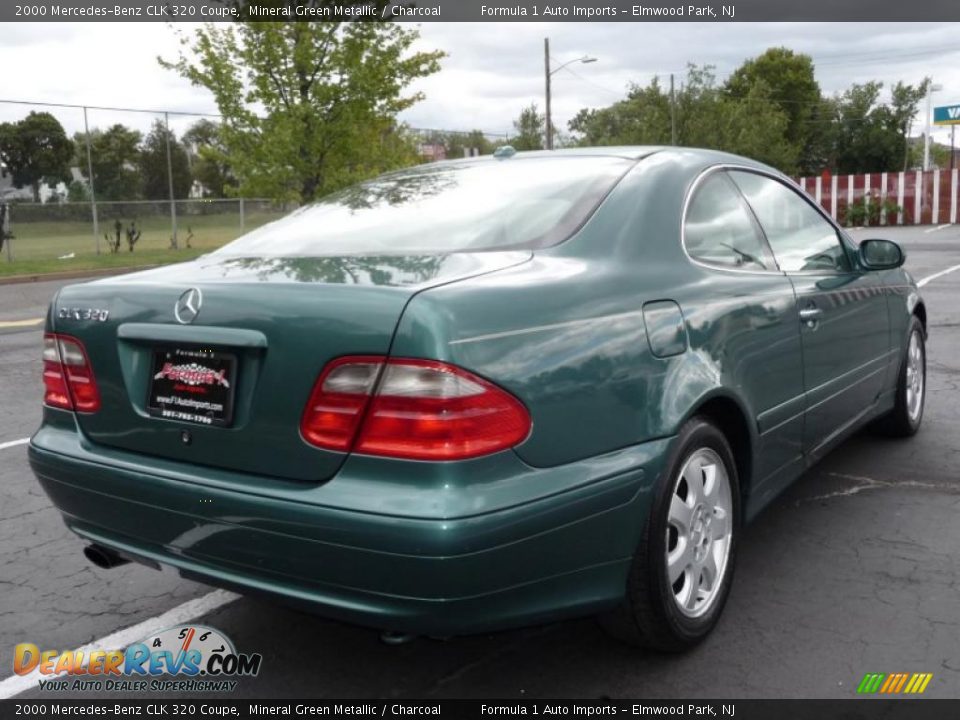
column 185, row 658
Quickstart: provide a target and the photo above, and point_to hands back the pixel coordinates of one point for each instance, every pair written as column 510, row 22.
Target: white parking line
column 123, row 638
column 927, row 279
column 14, row 443
column 938, row 227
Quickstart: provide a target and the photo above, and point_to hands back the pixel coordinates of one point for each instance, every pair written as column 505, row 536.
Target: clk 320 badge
column 73, row 313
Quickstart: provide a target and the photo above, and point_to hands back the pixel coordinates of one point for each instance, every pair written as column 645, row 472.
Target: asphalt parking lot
column 855, row 569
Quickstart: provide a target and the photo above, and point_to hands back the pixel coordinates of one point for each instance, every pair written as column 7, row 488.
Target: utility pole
column 673, row 114
column 93, row 195
column 173, row 202
column 546, row 74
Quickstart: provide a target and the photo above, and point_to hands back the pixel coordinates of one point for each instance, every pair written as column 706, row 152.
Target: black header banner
column 891, row 709
column 853, row 11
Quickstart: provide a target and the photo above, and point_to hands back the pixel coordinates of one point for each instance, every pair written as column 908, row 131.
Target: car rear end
column 245, row 420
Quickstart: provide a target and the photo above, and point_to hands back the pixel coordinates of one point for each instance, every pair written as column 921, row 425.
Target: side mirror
column 879, row 254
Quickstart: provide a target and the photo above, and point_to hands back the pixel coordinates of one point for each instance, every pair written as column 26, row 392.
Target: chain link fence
column 65, row 231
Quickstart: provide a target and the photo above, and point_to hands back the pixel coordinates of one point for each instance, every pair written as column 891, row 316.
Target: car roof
column 688, row 156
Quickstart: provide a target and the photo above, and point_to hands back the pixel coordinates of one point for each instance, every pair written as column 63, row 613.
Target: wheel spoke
column 694, row 479
column 680, row 559
column 710, row 484
column 709, row 572
column 695, row 592
column 680, row 514
column 719, row 524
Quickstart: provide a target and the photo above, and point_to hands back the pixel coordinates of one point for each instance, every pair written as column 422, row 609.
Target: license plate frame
column 192, row 385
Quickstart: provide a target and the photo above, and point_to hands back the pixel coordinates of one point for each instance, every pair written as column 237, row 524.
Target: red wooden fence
column 924, row 198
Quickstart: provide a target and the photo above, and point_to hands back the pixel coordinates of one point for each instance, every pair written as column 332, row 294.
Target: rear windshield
column 448, row 207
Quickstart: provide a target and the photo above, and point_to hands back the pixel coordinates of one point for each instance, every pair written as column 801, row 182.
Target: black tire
column 649, row 616
column 899, row 422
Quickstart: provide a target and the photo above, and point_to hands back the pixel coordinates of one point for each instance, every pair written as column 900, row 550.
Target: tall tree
column 37, row 151
column 872, row 136
column 530, row 127
column 790, row 86
column 703, row 114
column 310, row 106
column 115, row 156
column 904, row 102
column 153, row 165
column 642, row 118
column 209, row 163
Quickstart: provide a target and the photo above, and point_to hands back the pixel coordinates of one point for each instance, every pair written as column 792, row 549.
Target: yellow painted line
column 914, row 681
column 926, row 681
column 20, row 323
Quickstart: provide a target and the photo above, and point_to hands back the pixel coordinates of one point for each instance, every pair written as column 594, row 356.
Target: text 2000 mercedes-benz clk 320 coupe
column 483, row 393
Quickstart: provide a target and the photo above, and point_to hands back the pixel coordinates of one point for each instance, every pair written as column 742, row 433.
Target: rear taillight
column 68, row 379
column 413, row 409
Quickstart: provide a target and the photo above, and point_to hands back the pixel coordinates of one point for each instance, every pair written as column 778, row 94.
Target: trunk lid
column 270, row 324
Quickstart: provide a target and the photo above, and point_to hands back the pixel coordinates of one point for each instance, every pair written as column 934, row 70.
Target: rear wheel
column 907, row 414
column 683, row 566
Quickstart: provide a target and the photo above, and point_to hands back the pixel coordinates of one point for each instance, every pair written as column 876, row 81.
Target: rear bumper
column 432, row 570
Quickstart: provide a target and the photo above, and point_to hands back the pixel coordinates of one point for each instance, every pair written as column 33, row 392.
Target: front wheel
column 907, row 414
column 683, row 566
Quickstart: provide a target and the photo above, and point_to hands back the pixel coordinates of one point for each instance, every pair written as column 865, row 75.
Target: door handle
column 811, row 316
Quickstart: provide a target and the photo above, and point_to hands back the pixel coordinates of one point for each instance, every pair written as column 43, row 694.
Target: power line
column 107, row 108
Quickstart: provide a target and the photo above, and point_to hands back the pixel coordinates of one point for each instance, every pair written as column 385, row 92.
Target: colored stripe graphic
column 894, row 683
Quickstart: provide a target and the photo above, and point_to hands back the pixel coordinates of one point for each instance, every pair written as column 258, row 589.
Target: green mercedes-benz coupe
column 481, row 394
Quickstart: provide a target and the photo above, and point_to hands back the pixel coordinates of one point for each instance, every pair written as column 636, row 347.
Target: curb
column 71, row 275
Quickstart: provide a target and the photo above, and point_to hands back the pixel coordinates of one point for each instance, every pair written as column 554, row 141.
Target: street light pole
column 931, row 89
column 547, row 74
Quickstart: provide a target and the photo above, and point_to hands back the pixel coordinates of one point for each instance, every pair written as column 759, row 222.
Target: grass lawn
column 39, row 246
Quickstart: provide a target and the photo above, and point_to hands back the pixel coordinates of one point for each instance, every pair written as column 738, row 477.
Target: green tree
column 153, row 165
column 529, row 128
column 704, row 116
column 789, row 84
column 750, row 125
column 309, row 107
column 115, row 156
column 904, row 103
column 642, row 118
column 872, row 136
column 37, row 151
column 78, row 191
column 209, row 162
column 460, row 145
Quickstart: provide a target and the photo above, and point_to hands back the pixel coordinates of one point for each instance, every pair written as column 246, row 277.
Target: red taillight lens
column 422, row 410
column 68, row 378
column 338, row 400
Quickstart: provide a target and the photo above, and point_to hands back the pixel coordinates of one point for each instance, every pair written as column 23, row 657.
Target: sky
column 492, row 70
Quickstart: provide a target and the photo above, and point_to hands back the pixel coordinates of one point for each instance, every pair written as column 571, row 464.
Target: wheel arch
column 730, row 415
column 920, row 310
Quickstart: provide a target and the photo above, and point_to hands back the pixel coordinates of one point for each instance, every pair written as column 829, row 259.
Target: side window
column 799, row 236
column 718, row 228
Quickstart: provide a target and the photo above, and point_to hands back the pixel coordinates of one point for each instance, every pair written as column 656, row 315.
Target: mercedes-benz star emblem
column 188, row 306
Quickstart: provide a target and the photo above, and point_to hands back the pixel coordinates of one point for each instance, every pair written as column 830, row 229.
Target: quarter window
column 801, row 239
column 719, row 230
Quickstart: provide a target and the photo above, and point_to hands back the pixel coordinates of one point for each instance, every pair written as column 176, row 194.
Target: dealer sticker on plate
column 192, row 385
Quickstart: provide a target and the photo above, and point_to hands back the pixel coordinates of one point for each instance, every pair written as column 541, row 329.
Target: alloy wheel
column 699, row 527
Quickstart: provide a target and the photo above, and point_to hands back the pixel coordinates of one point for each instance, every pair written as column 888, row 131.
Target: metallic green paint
column 543, row 531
